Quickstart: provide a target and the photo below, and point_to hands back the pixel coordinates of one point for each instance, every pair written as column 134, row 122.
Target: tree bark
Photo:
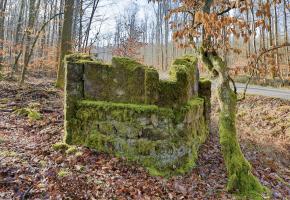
column 18, row 36
column 80, row 31
column 66, row 40
column 166, row 30
column 286, row 40
column 277, row 64
column 3, row 4
column 87, row 34
column 31, row 20
column 240, row 178
column 61, row 9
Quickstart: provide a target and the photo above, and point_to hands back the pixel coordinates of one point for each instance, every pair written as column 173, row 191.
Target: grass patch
column 8, row 153
column 63, row 172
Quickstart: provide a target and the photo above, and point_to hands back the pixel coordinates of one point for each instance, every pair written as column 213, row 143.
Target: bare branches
column 40, row 30
column 255, row 63
column 234, row 85
column 269, row 50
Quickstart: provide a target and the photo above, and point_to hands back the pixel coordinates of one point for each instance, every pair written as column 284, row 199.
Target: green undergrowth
column 63, row 172
column 4, row 100
column 71, row 150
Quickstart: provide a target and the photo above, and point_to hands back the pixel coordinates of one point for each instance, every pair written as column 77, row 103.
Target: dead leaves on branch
column 222, row 23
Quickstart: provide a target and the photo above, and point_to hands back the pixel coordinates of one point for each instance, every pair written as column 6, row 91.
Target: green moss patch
column 31, row 113
column 71, row 150
column 163, row 140
column 60, row 146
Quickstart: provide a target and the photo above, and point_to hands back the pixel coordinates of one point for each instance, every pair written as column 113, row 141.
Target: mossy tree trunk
column 240, row 178
column 66, row 40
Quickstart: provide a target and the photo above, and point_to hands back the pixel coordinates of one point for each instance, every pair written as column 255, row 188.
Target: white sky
column 114, row 8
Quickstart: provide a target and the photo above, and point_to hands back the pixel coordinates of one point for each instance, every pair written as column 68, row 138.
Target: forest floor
column 31, row 169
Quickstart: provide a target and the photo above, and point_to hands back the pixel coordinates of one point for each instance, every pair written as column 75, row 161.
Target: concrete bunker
column 125, row 110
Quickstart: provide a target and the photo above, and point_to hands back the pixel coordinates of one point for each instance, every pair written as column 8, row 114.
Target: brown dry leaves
column 227, row 19
column 266, row 121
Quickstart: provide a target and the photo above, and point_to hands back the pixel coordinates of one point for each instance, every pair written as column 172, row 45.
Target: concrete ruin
column 125, row 110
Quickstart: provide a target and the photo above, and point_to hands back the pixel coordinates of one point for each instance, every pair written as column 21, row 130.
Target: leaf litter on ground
column 30, row 168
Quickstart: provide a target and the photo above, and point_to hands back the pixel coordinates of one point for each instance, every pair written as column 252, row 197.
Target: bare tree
column 3, row 4
column 29, row 33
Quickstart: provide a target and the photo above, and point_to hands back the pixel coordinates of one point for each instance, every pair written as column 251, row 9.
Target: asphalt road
column 253, row 89
column 264, row 91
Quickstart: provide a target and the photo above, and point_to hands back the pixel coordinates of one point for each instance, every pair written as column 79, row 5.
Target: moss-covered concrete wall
column 123, row 81
column 124, row 109
column 128, row 81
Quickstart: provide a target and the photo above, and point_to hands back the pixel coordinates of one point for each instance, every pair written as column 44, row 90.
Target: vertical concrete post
column 73, row 92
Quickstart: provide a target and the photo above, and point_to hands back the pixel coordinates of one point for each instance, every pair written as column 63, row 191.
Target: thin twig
column 23, row 197
column 246, row 87
column 234, row 84
column 256, row 64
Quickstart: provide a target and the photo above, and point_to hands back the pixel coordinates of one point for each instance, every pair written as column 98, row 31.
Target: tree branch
column 234, row 84
column 38, row 33
column 269, row 50
column 256, row 64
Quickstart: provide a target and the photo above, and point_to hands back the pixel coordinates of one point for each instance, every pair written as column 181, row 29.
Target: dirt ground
column 31, row 169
